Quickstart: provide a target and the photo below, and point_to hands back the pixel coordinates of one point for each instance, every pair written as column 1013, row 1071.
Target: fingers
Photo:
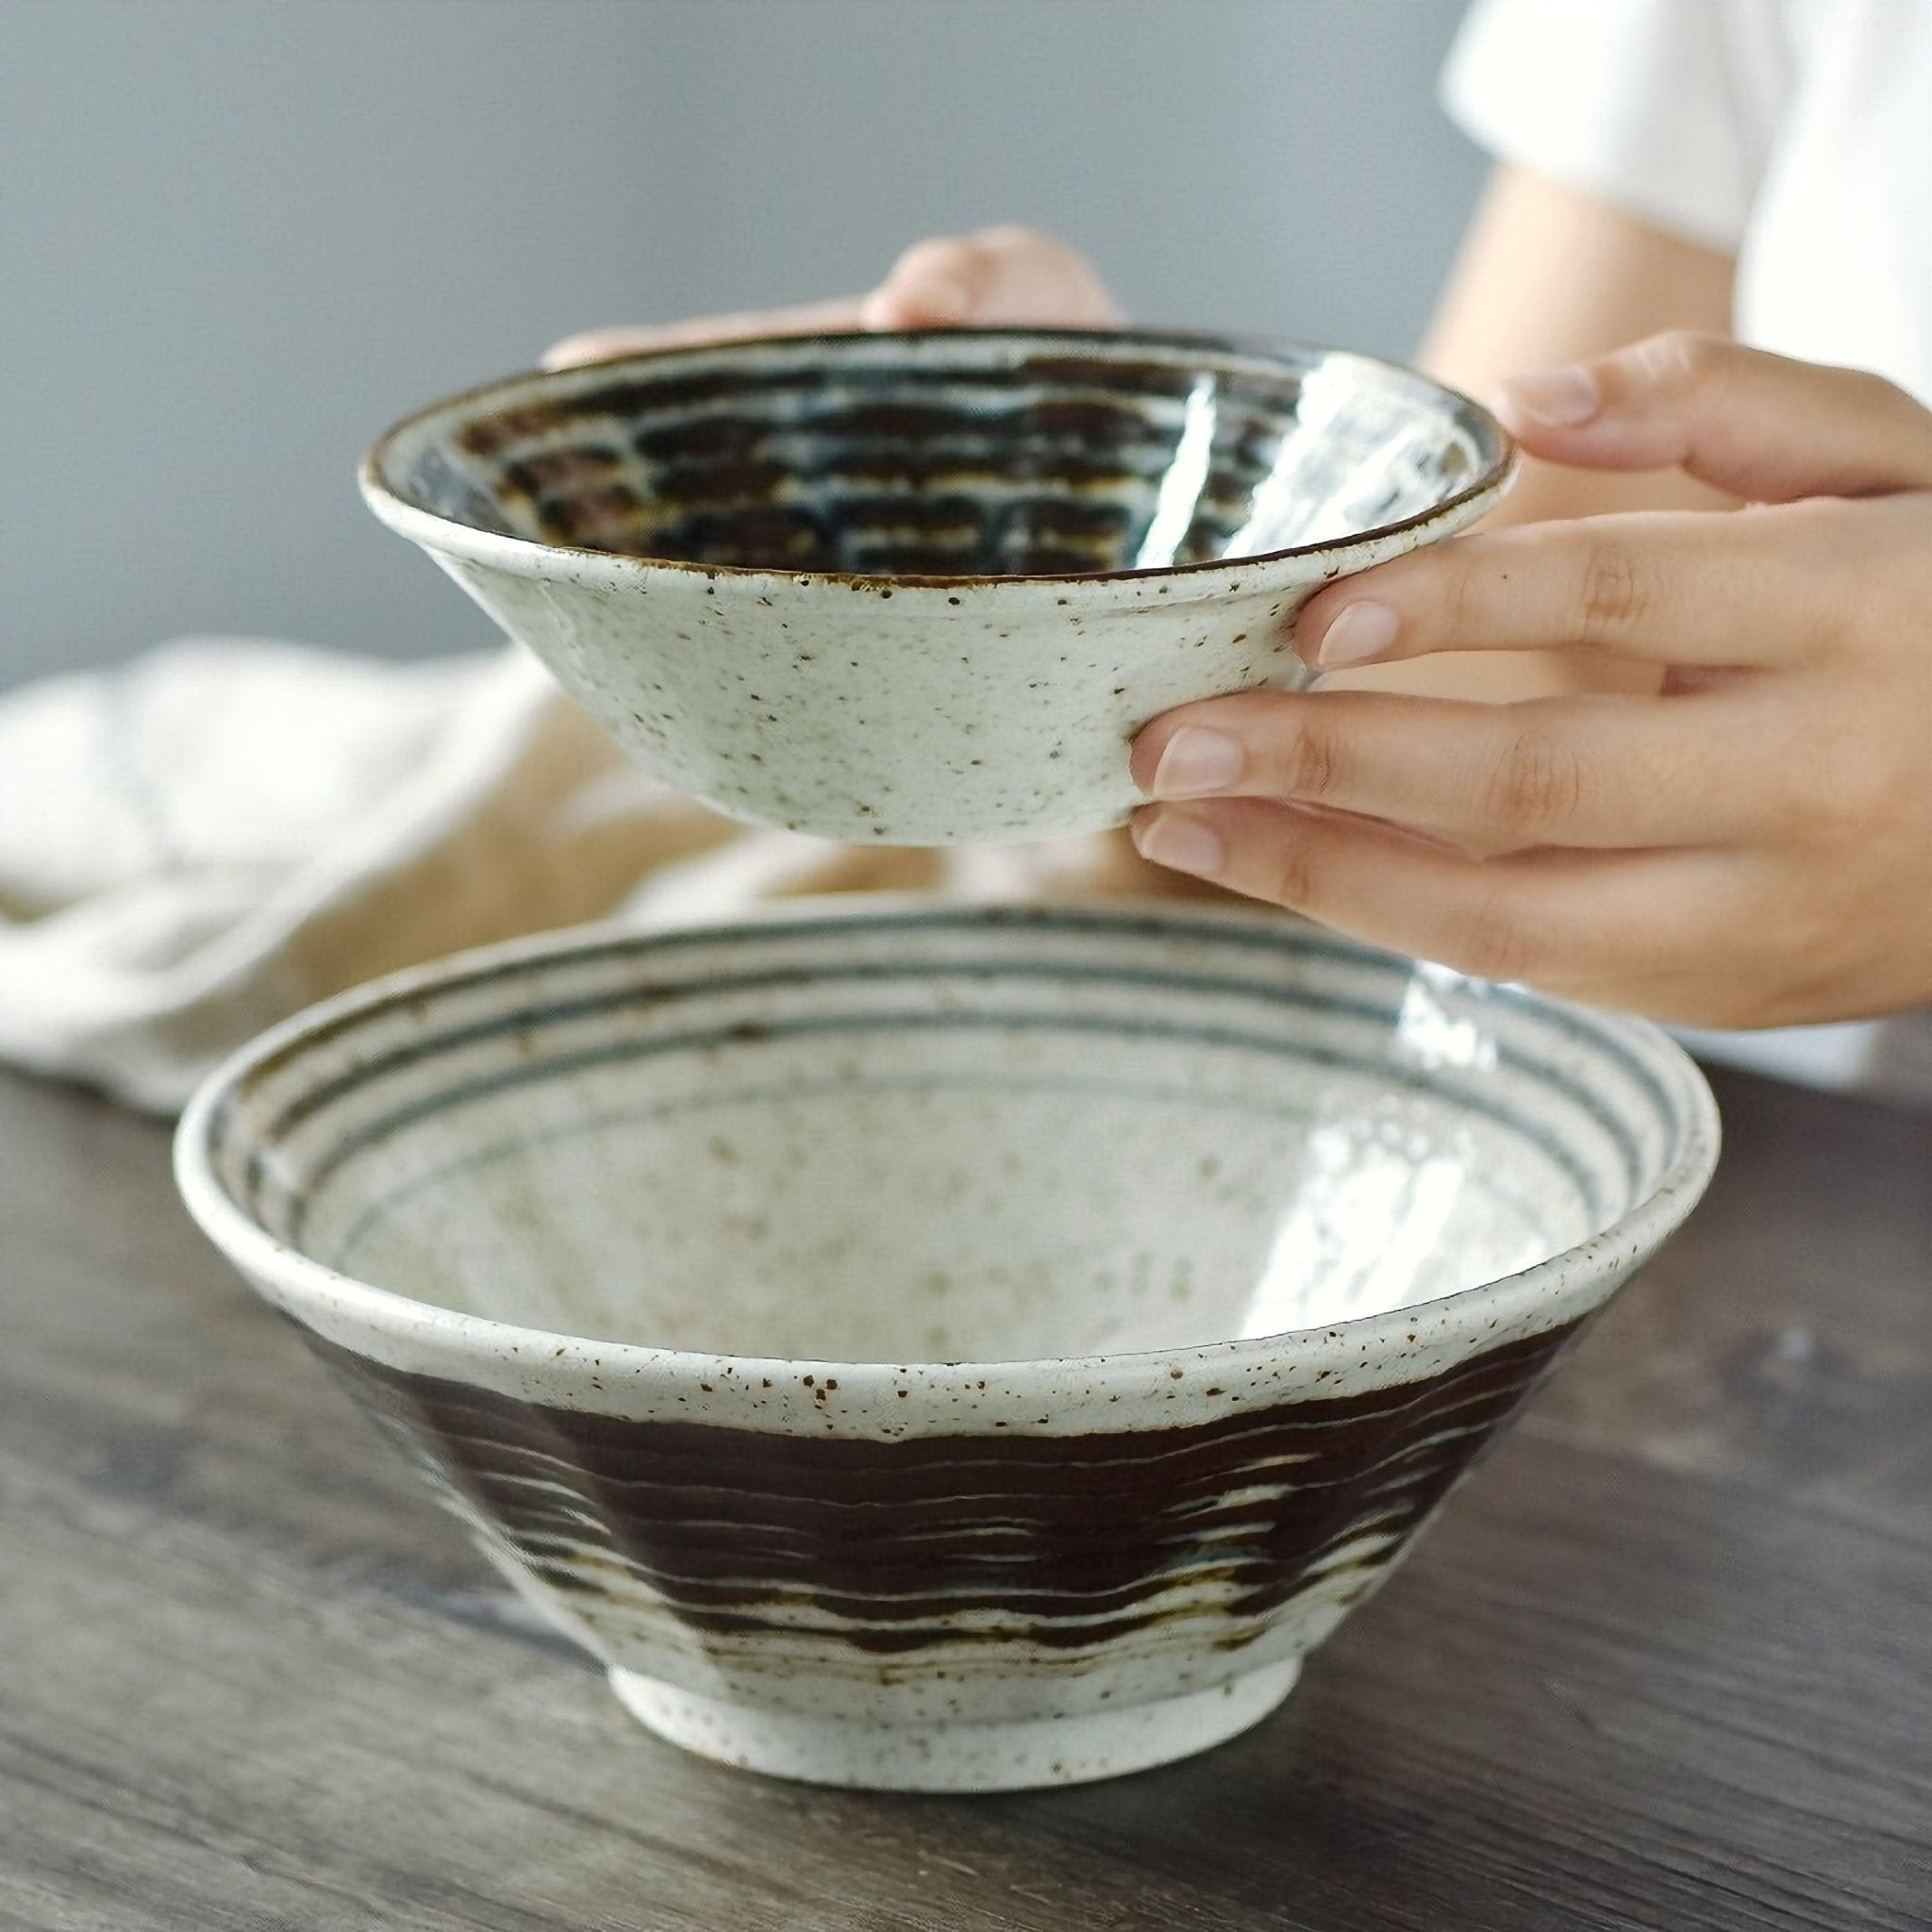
column 1763, row 427
column 1566, row 920
column 1708, row 588
column 938, row 283
column 996, row 276
column 1001, row 275
column 1746, row 845
column 802, row 319
column 1588, row 773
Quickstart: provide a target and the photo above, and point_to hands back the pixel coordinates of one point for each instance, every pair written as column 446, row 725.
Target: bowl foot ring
column 958, row 1757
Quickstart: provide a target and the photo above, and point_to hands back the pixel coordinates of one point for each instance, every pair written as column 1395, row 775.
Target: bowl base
column 1009, row 1756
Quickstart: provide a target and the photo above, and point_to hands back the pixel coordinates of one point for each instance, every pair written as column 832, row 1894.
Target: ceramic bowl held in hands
column 926, row 587
column 945, row 1349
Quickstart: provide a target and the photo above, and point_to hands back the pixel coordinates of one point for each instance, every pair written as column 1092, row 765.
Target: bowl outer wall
column 1069, row 1395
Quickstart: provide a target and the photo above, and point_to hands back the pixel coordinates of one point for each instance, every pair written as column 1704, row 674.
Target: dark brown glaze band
column 1046, row 465
column 1067, row 1541
column 1404, row 452
column 730, row 386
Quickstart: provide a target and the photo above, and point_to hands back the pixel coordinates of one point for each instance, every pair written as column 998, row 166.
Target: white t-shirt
column 1793, row 133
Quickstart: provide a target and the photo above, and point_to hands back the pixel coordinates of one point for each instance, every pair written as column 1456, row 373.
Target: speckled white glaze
column 933, row 710
column 945, row 1348
column 1020, row 1753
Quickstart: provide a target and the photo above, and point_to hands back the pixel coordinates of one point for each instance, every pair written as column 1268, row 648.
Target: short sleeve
column 1650, row 106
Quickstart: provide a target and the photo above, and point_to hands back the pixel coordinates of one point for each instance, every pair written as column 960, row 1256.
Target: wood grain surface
column 1666, row 1662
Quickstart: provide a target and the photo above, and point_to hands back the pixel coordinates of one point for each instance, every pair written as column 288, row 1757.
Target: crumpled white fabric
column 196, row 844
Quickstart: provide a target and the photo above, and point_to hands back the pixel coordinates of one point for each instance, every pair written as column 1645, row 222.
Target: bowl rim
column 525, row 556
column 304, row 1284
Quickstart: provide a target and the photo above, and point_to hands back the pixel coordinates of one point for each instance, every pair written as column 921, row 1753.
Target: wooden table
column 1666, row 1662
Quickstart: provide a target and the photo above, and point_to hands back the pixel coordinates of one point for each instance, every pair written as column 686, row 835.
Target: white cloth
column 197, row 845
column 1796, row 135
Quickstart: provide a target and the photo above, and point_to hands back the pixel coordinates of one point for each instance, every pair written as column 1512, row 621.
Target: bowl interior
column 949, row 454
column 948, row 1135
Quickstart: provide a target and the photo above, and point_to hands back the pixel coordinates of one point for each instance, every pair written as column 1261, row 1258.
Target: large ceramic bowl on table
column 945, row 1349
column 926, row 587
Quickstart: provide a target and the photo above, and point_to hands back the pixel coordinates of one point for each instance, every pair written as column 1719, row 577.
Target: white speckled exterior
column 957, row 1757
column 540, row 1206
column 934, row 710
column 913, row 715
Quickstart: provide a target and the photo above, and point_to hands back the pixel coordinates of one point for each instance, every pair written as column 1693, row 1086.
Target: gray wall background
column 238, row 237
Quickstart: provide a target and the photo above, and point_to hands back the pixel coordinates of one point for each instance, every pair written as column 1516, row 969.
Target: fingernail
column 1560, row 397
column 1196, row 761
column 1179, row 842
column 1359, row 631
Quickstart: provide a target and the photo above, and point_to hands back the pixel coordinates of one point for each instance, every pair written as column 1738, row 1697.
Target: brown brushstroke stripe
column 1083, row 1586
column 685, row 1551
column 1104, row 375
column 591, row 467
column 1118, row 1467
column 720, row 452
column 1070, row 1542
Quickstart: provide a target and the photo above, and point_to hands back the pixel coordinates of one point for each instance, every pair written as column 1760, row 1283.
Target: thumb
column 1763, row 427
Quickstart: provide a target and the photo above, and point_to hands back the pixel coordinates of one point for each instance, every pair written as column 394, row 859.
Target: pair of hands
column 1743, row 840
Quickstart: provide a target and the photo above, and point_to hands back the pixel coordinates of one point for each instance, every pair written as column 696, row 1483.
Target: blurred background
column 238, row 237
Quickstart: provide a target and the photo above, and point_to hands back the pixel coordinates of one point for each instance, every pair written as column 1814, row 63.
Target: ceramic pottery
column 948, row 1349
column 926, row 587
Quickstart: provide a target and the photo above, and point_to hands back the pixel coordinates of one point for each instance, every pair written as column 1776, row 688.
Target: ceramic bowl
column 945, row 1348
column 926, row 587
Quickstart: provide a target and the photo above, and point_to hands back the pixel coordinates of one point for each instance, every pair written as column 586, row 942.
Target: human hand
column 1749, row 844
column 994, row 278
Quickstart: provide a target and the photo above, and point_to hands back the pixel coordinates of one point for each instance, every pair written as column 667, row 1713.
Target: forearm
column 1547, row 276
